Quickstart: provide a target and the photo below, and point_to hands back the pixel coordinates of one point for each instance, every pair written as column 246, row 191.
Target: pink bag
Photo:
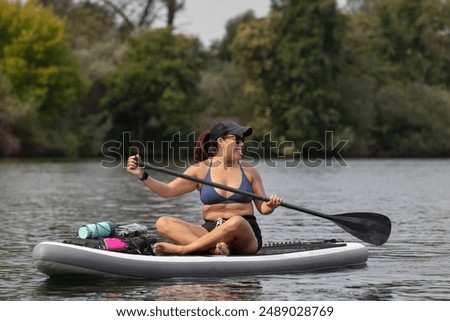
column 113, row 243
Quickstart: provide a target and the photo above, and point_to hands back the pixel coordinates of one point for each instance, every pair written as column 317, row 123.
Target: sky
column 207, row 19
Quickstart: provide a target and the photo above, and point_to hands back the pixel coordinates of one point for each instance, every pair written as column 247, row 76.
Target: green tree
column 38, row 64
column 253, row 52
column 417, row 34
column 365, row 69
column 231, row 28
column 152, row 93
column 294, row 59
column 221, row 90
column 97, row 44
column 395, row 77
column 413, row 120
column 304, row 97
column 35, row 57
column 12, row 111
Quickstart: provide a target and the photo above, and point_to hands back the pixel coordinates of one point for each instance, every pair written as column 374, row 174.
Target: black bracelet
column 144, row 177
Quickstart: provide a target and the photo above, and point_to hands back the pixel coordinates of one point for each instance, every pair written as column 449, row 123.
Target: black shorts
column 251, row 219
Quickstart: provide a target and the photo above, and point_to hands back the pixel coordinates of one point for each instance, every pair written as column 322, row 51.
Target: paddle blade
column 372, row 228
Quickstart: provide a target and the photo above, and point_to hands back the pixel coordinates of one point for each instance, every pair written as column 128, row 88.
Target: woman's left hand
column 274, row 201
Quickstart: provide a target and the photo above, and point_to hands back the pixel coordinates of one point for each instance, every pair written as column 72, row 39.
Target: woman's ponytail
column 204, row 147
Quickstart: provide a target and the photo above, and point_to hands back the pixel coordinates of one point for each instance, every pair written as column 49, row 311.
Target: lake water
column 51, row 200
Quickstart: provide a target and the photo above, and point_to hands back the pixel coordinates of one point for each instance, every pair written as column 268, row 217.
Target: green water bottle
column 96, row 230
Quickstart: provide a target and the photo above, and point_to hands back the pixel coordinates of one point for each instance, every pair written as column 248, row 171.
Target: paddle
column 370, row 227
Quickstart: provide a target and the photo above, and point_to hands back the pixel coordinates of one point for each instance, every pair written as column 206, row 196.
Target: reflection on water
column 124, row 289
column 209, row 292
column 50, row 201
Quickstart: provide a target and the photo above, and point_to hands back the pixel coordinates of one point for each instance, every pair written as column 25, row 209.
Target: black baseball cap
column 229, row 127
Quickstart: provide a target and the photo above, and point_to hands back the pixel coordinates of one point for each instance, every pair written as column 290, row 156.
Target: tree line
column 376, row 73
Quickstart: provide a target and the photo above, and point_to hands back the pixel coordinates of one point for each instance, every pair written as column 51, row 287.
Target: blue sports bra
column 208, row 194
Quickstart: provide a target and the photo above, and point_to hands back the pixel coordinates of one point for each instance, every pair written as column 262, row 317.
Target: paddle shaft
column 230, row 189
column 373, row 228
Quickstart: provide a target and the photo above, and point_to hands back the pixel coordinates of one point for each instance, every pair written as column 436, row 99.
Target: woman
column 230, row 225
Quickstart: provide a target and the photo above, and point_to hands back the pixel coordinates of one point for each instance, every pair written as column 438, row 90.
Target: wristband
column 144, row 177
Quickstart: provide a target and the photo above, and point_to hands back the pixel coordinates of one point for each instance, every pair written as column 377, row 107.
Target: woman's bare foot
column 168, row 249
column 163, row 248
column 222, row 249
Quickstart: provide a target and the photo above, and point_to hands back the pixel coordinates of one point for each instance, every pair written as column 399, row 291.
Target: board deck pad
column 291, row 247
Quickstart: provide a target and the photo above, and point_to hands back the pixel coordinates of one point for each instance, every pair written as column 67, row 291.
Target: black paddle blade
column 372, row 228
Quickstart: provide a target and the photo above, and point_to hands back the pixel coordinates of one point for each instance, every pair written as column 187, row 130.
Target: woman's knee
column 245, row 241
column 163, row 224
column 237, row 222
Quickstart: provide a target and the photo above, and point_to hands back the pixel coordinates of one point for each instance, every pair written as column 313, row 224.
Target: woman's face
column 232, row 146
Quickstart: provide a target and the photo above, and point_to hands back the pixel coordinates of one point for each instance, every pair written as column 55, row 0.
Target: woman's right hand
column 132, row 166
